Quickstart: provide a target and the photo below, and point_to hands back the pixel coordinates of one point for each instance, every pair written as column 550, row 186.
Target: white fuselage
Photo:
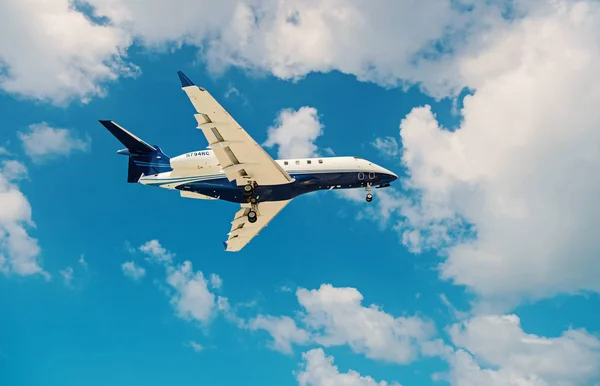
column 203, row 165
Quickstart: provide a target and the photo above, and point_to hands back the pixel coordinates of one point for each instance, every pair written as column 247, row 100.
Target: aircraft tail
column 144, row 158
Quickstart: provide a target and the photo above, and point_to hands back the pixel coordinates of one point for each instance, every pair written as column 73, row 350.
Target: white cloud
column 19, row 252
column 82, row 262
column 337, row 317
column 295, row 133
column 50, row 51
column 388, row 146
column 288, row 39
column 192, row 300
column 67, row 275
column 197, row 347
column 486, row 349
column 230, row 313
column 293, row 38
column 189, row 290
column 134, row 271
column 465, row 371
column 319, row 370
column 215, row 281
column 328, row 152
column 519, row 167
column 14, row 170
column 157, row 23
column 334, row 316
column 513, row 357
column 454, row 312
column 386, row 205
column 232, row 91
column 41, row 140
column 156, row 252
column 223, row 304
column 283, row 329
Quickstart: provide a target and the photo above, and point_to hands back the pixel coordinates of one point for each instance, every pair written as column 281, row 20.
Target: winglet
column 185, row 81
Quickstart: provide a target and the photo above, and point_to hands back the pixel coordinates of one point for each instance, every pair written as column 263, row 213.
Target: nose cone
column 384, row 176
column 391, row 177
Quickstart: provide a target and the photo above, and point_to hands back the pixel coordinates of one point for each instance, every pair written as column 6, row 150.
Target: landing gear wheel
column 369, row 194
column 251, row 200
column 248, row 190
column 252, row 216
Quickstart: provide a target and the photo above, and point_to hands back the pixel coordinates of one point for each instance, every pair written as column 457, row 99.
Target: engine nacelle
column 200, row 159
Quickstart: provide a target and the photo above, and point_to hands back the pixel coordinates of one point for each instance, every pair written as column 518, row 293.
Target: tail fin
column 144, row 158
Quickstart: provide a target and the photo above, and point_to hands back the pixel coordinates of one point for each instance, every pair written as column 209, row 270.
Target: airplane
column 235, row 168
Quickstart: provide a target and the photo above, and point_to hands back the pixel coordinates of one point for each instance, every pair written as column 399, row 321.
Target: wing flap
column 241, row 158
column 243, row 231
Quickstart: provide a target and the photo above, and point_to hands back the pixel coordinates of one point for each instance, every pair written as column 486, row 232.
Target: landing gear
column 369, row 194
column 249, row 189
column 252, row 216
column 250, row 193
column 252, row 199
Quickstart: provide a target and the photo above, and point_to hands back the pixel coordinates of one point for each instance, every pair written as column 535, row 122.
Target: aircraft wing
column 242, row 230
column 241, row 158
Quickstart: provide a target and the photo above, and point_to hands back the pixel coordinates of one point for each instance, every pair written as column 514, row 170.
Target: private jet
column 235, row 168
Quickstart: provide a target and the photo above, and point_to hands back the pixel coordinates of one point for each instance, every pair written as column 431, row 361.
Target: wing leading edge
column 243, row 231
column 241, row 158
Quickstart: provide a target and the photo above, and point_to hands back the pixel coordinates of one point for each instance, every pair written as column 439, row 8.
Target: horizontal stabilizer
column 133, row 143
column 144, row 159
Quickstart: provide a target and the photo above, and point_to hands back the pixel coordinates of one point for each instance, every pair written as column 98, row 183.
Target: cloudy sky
column 478, row 267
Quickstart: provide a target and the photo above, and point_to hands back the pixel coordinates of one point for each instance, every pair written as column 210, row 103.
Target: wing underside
column 243, row 231
column 241, row 158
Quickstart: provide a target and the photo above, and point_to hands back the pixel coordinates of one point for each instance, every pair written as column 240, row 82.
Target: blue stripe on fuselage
column 224, row 189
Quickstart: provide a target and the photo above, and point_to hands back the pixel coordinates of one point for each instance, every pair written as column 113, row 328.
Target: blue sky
column 478, row 267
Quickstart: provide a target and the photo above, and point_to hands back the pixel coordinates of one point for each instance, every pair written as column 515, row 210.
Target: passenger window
column 297, row 162
column 308, row 162
column 371, row 175
column 285, row 162
column 320, row 161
